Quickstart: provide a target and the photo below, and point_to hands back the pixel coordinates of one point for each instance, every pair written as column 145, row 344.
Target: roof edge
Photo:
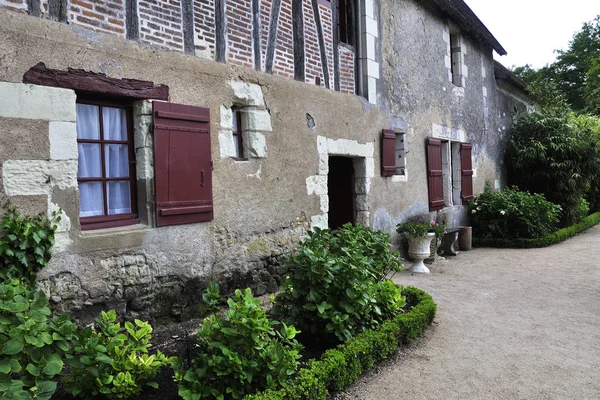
column 461, row 14
column 504, row 74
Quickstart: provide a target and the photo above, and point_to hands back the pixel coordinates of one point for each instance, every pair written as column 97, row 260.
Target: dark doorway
column 340, row 187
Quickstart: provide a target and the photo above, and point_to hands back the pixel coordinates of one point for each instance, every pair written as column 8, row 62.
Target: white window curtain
column 116, row 161
column 91, row 200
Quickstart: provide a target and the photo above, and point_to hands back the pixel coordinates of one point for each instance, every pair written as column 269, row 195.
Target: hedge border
column 545, row 241
column 342, row 365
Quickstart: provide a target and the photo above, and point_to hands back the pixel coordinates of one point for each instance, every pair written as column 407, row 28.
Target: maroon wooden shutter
column 388, row 152
column 466, row 166
column 182, row 161
column 434, row 174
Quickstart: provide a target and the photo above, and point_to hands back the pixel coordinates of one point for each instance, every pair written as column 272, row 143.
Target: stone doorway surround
column 364, row 171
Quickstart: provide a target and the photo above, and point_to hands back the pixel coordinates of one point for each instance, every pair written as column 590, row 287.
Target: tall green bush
column 512, row 214
column 556, row 153
column 337, row 283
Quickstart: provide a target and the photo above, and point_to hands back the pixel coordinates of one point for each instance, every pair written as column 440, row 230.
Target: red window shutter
column 388, row 152
column 182, row 162
column 434, row 174
column 466, row 166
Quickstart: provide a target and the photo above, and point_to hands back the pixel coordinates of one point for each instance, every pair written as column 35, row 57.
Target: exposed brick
column 284, row 52
column 160, row 23
column 14, row 5
column 161, row 19
column 239, row 33
column 347, row 83
column 314, row 67
column 204, row 29
column 95, row 14
column 326, row 22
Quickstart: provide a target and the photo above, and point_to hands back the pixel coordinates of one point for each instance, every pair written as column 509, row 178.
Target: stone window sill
column 400, row 178
column 114, row 231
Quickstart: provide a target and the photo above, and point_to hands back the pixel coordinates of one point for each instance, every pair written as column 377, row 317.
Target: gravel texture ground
column 511, row 324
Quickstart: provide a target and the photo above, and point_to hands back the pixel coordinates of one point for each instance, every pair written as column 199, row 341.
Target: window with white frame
column 451, row 173
column 400, row 154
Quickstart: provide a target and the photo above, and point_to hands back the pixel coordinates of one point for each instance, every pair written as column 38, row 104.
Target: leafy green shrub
column 25, row 244
column 113, row 361
column 239, row 353
column 421, row 226
column 212, row 298
column 336, row 284
column 512, row 214
column 582, row 210
column 32, row 344
column 556, row 153
column 548, row 240
column 341, row 366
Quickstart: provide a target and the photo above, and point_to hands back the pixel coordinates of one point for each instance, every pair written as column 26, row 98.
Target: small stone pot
column 419, row 248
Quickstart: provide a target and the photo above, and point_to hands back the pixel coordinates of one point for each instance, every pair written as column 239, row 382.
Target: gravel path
column 511, row 324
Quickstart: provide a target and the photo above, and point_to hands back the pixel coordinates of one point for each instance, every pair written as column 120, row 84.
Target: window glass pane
column 91, row 200
column 119, row 201
column 236, row 146
column 88, row 124
column 114, row 122
column 89, row 161
column 116, row 160
column 236, row 127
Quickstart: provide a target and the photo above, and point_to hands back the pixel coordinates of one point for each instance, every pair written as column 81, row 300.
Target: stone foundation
column 167, row 287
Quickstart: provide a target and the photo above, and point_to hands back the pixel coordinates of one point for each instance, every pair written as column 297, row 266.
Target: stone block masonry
column 55, row 171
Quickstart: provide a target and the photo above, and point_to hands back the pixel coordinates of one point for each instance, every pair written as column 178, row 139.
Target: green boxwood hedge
column 544, row 241
column 342, row 365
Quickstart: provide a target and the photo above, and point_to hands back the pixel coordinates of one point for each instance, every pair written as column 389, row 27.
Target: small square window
column 456, row 59
column 238, row 134
column 400, row 154
column 105, row 175
column 345, row 21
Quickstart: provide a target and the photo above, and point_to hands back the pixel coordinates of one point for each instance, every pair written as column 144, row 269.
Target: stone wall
column 262, row 205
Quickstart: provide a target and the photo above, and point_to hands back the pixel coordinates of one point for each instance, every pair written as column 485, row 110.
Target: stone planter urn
column 419, row 248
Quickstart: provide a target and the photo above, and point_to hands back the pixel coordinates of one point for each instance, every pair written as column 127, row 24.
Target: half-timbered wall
column 257, row 34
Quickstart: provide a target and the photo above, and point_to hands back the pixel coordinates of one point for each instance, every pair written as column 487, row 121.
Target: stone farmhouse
column 190, row 140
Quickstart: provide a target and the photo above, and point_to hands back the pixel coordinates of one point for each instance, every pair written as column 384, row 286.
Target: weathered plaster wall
column 422, row 101
column 263, row 206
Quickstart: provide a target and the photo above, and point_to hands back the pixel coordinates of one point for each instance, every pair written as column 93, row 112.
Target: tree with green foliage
column 555, row 152
column 576, row 71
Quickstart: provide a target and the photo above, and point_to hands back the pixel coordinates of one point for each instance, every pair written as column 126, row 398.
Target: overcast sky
column 530, row 30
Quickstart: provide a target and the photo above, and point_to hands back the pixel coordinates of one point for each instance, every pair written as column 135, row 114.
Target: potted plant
column 419, row 233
